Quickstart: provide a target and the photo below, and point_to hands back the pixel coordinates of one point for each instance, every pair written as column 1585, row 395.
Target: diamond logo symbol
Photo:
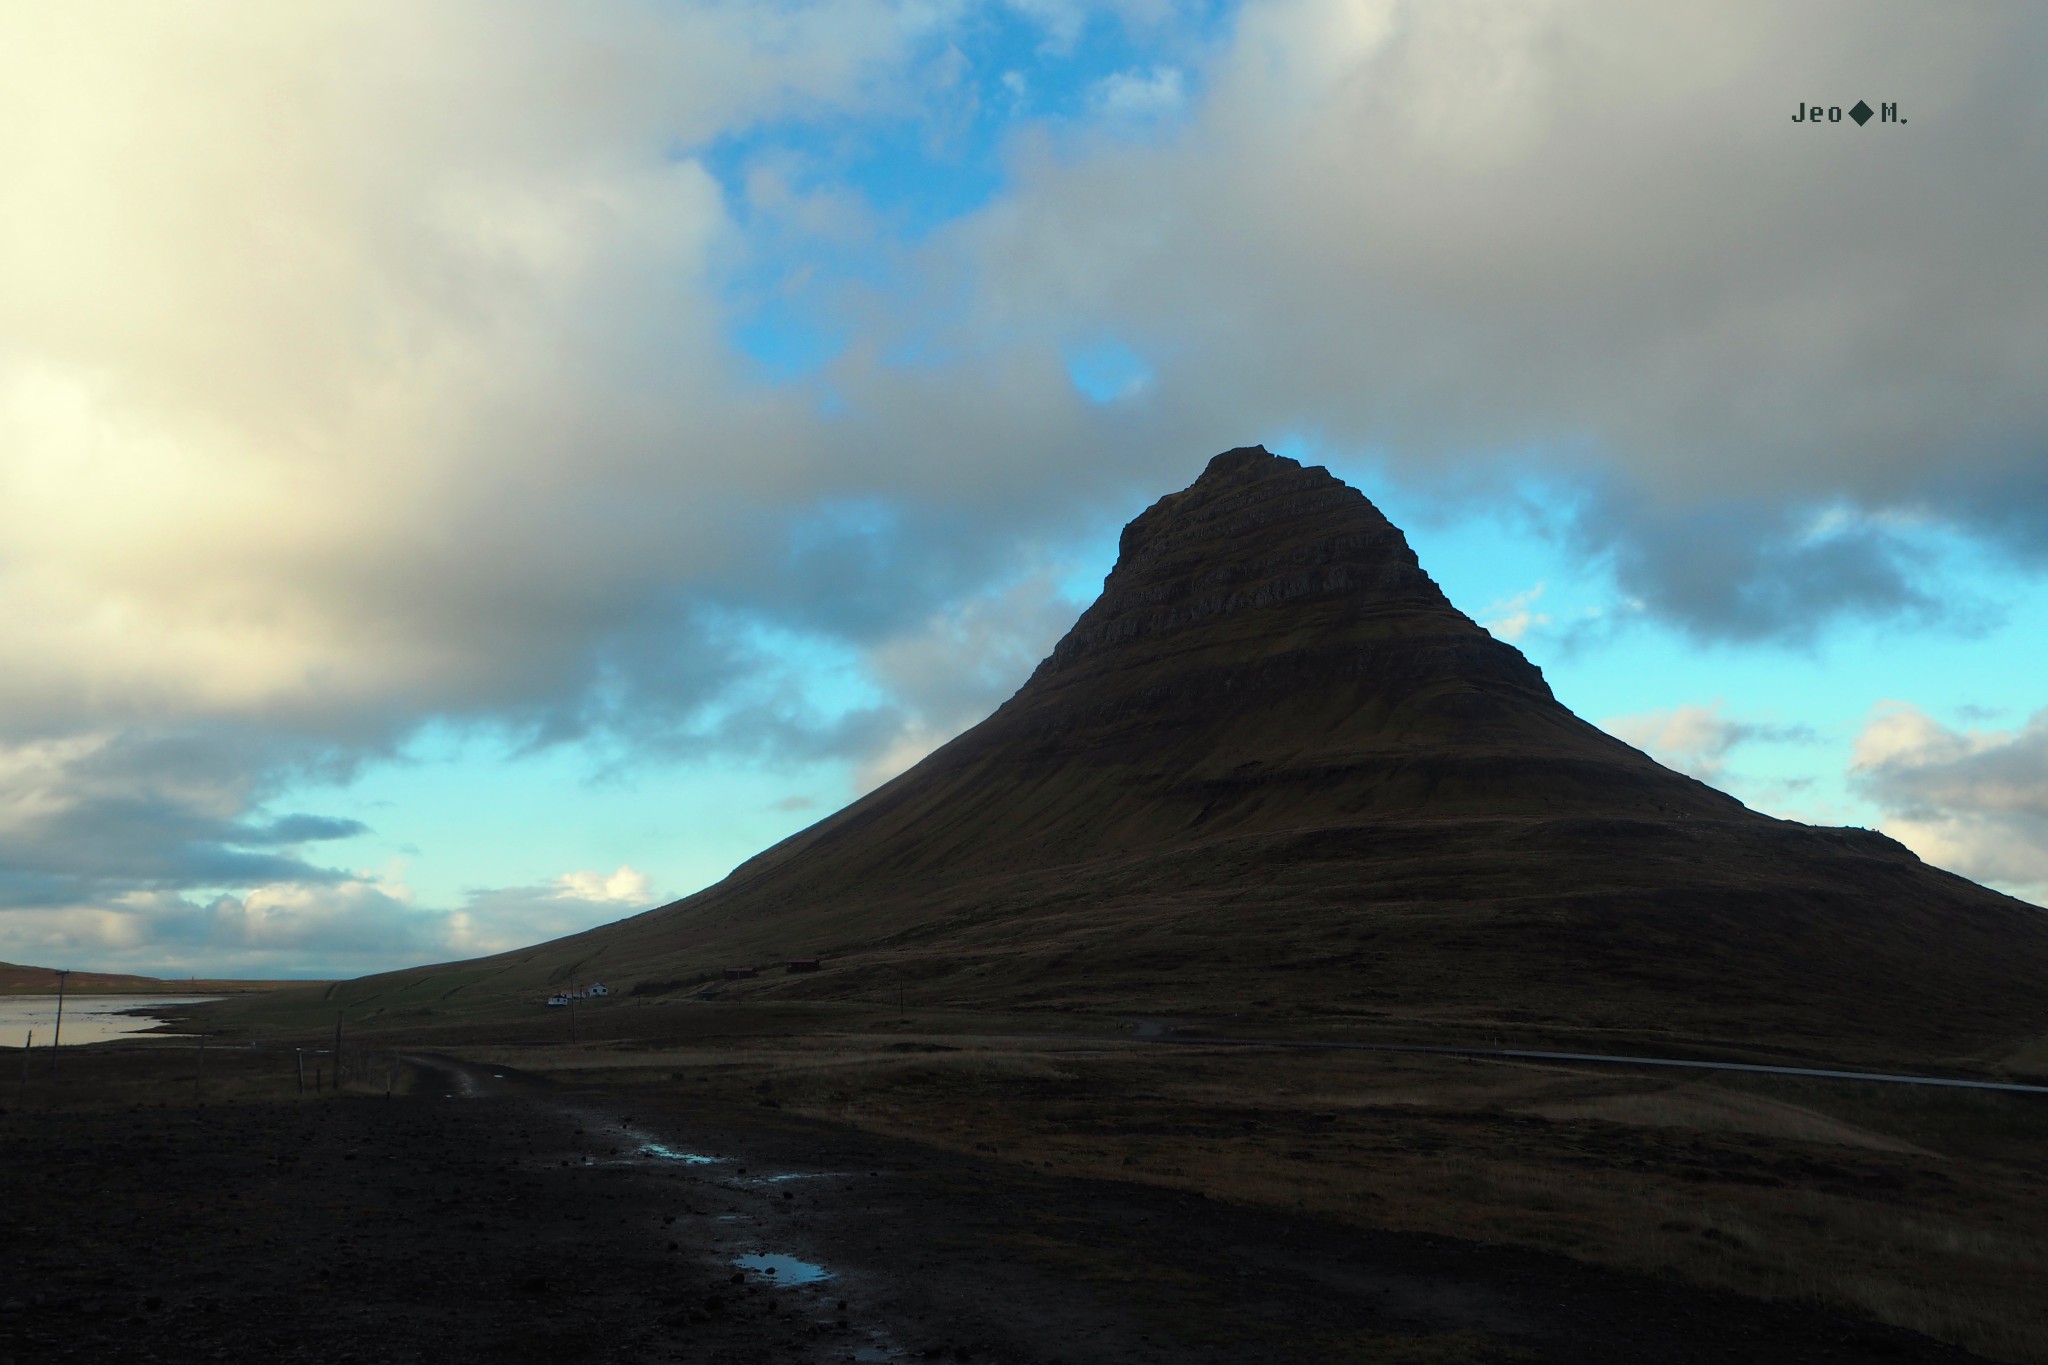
column 1861, row 113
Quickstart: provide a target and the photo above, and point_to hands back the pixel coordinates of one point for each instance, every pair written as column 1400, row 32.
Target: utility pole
column 26, row 1048
column 337, row 1051
column 58, row 1039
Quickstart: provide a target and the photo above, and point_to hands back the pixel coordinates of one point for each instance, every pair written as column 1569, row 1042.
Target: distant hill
column 1273, row 778
column 16, row 979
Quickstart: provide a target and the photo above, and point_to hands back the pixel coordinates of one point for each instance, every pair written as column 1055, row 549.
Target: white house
column 597, row 988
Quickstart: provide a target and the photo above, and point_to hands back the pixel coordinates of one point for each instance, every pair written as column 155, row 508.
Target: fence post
column 27, row 1048
column 299, row 1055
column 58, row 1039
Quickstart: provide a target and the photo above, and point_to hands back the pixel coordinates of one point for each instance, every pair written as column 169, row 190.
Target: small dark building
column 741, row 973
column 803, row 964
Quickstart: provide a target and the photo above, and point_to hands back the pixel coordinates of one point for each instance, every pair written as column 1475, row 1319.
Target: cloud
column 348, row 925
column 1061, row 20
column 496, row 919
column 354, row 366
column 300, row 829
column 361, row 370
column 413, row 395
column 960, row 664
column 1511, row 617
column 1138, row 94
column 1974, row 801
column 1747, row 570
column 91, row 816
column 625, row 886
column 1697, row 739
column 373, row 367
column 1586, row 236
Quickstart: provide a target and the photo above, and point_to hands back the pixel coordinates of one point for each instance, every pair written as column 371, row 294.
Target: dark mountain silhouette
column 1273, row 776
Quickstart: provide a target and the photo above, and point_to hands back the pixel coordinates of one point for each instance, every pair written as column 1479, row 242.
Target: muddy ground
column 492, row 1217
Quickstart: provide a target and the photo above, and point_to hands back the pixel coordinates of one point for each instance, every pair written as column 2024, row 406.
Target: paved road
column 1153, row 1031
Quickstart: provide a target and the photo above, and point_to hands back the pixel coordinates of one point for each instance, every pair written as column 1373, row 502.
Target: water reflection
column 87, row 1018
column 784, row 1270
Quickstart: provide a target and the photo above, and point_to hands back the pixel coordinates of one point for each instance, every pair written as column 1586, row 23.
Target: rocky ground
column 489, row 1217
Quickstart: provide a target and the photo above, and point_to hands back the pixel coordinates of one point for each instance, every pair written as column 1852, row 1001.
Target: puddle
column 656, row 1149
column 800, row 1175
column 783, row 1270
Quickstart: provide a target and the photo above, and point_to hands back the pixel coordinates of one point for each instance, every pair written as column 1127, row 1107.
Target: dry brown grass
column 121, row 1075
column 1710, row 1108
column 1924, row 1210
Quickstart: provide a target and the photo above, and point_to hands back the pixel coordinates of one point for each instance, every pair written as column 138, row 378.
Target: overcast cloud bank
column 1974, row 800
column 367, row 368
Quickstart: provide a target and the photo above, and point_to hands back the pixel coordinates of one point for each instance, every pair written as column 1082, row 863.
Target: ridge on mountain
column 1273, row 774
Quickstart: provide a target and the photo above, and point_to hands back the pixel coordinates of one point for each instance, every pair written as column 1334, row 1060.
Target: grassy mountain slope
column 1273, row 778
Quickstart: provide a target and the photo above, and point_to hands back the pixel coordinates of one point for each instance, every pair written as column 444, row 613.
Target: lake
column 87, row 1018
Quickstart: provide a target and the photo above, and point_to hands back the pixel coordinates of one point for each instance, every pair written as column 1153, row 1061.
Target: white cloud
column 1511, row 617
column 1586, row 233
column 1696, row 739
column 337, row 350
column 362, row 367
column 1061, row 20
column 1692, row 739
column 1139, row 94
column 368, row 365
column 625, row 886
column 362, row 923
column 339, row 918
column 960, row 664
column 500, row 918
column 1974, row 801
column 380, row 354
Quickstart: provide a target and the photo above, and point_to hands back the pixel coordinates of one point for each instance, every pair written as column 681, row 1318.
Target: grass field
column 1924, row 1208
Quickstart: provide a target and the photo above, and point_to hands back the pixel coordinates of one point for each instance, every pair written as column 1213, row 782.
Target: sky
column 471, row 471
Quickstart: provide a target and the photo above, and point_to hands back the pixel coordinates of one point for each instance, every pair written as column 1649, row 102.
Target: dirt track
column 497, row 1219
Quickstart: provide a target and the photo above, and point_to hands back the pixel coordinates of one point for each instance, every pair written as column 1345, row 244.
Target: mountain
column 1273, row 779
column 16, row 979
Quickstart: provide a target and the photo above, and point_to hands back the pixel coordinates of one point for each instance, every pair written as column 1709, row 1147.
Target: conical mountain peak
column 1266, row 655
column 1274, row 764
column 1258, row 533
